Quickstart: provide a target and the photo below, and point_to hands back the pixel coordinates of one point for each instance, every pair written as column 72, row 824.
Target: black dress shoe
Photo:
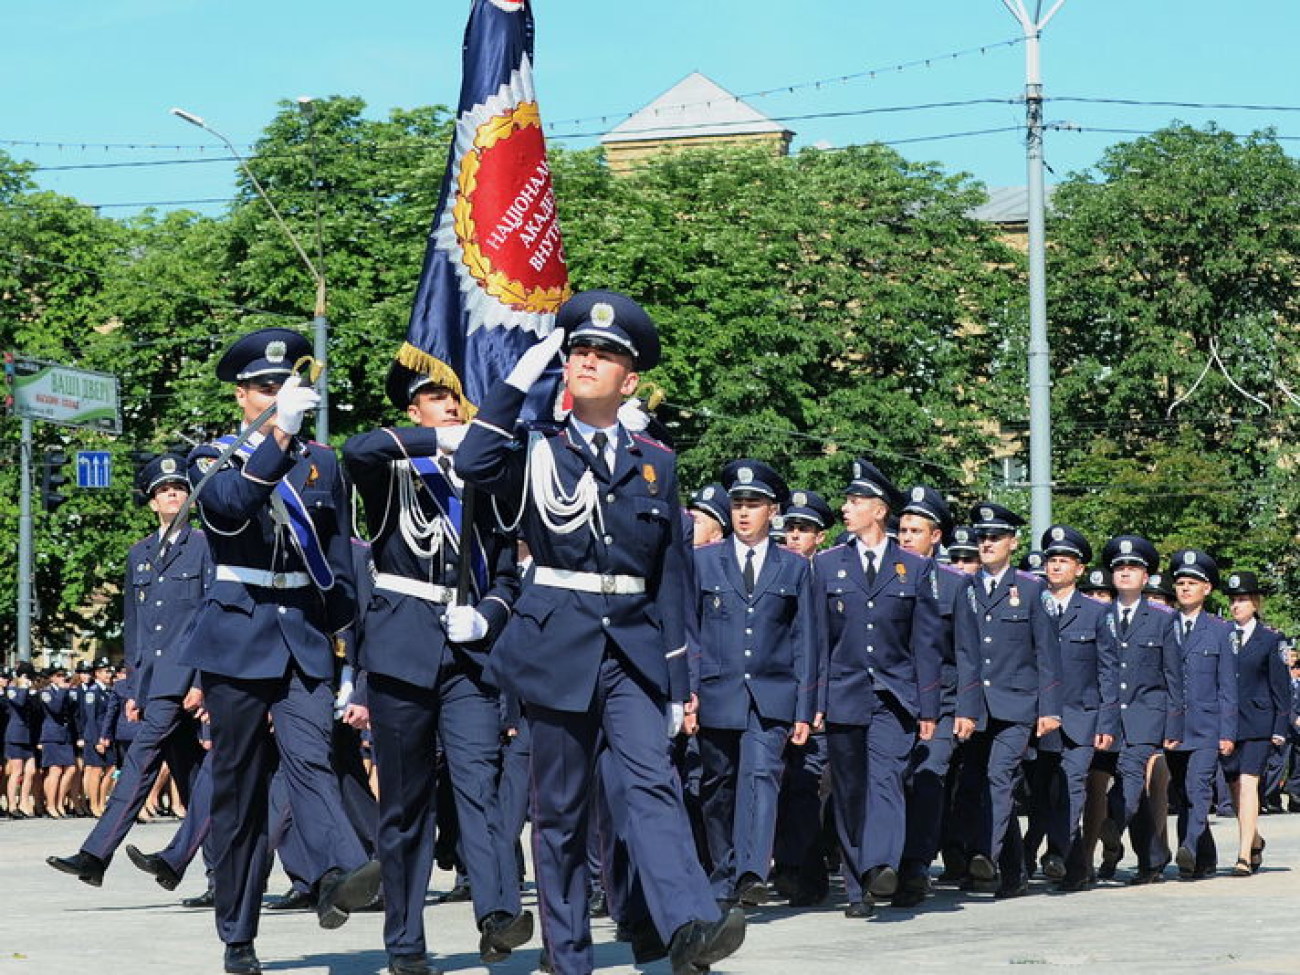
column 1257, row 856
column 502, row 933
column 1073, row 882
column 342, row 893
column 292, row 899
column 809, row 896
column 1017, row 888
column 458, row 893
column 881, row 883
column 785, row 881
column 241, row 959
column 1054, row 866
column 1186, row 861
column 699, row 944
column 205, row 899
column 912, row 890
column 955, row 866
column 1112, row 850
column 752, row 891
column 860, row 909
column 983, row 870
column 156, row 866
column 86, row 867
column 1147, row 875
column 409, row 965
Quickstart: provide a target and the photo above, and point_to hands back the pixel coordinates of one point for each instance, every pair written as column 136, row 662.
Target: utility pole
column 26, row 562
column 1040, row 371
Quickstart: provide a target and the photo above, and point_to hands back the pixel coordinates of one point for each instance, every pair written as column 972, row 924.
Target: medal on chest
column 651, row 478
column 1013, row 597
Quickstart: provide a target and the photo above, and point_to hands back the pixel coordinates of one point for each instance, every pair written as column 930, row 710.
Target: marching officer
column 1008, row 689
column 424, row 653
column 884, row 633
column 710, row 514
column 1089, row 704
column 163, row 590
column 1263, row 712
column 752, row 635
column 1209, row 662
column 1150, row 703
column 264, row 641
column 925, row 522
column 598, row 625
column 799, row 864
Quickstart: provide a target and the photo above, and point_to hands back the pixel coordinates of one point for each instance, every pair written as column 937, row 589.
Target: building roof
column 695, row 106
column 1008, row 204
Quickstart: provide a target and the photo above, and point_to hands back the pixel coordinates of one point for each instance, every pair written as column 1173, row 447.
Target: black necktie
column 599, row 440
column 444, row 464
column 870, row 556
column 1187, row 628
column 1125, row 618
column 748, row 572
column 989, row 585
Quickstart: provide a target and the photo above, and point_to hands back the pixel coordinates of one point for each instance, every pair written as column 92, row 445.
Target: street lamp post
column 320, row 323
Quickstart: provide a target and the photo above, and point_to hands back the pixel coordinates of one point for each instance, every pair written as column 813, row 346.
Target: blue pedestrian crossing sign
column 94, row 468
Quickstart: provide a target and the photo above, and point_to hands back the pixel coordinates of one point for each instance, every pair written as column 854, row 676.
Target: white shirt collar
column 587, row 431
column 1248, row 630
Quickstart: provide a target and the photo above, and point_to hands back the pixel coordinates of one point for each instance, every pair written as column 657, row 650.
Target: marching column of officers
column 695, row 711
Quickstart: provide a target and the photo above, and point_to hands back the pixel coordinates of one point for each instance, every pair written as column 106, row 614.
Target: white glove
column 676, row 716
column 464, row 624
column 293, row 400
column 344, row 696
column 449, row 438
column 533, row 363
column 632, row 416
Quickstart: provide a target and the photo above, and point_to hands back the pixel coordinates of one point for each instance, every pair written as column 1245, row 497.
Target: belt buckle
column 277, row 580
column 607, row 585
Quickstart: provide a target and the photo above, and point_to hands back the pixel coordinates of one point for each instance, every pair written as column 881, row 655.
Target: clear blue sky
column 107, row 71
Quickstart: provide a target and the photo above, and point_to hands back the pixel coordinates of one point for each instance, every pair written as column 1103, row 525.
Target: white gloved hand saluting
column 533, row 363
column 464, row 624
column 449, row 438
column 292, row 402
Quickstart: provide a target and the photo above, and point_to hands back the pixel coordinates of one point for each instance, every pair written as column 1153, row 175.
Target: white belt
column 427, row 591
column 588, row 581
column 263, row 577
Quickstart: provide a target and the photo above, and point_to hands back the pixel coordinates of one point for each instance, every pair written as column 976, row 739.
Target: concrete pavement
column 50, row 924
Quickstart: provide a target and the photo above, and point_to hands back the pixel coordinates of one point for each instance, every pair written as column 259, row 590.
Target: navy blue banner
column 494, row 271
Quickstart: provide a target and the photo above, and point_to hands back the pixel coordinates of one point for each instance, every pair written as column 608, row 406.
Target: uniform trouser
column 1292, row 785
column 798, row 844
column 166, row 731
column 1192, row 780
column 1142, row 817
column 512, row 789
column 1270, row 785
column 406, row 722
column 193, row 832
column 608, row 828
column 926, row 777
column 244, row 756
column 992, row 770
column 1058, row 794
column 739, row 789
column 867, row 767
column 631, row 716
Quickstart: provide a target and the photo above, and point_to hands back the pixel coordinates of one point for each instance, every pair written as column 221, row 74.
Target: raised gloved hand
column 533, row 363
column 676, row 715
column 464, row 624
column 633, row 416
column 449, row 438
column 292, row 402
column 344, row 696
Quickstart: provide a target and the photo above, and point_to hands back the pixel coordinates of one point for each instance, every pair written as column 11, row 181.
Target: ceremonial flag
column 494, row 270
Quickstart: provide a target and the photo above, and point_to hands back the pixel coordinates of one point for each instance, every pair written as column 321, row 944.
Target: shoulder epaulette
column 1167, row 610
column 1028, row 576
column 949, row 567
column 642, row 438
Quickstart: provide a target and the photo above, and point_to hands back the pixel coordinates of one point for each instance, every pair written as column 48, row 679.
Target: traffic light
column 53, row 478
